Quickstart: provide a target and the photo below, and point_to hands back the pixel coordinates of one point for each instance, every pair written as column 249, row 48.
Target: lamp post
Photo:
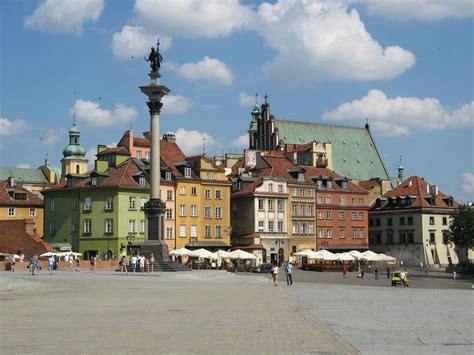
column 130, row 239
column 192, row 240
column 279, row 242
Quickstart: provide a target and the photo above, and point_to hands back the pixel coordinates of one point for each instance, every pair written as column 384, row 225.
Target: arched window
column 77, row 169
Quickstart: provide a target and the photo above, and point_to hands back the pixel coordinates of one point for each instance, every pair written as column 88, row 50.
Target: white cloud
column 191, row 142
column 52, row 136
column 23, row 166
column 318, row 41
column 8, row 127
column 135, row 41
column 424, row 10
column 240, row 142
column 401, row 115
column 64, row 16
column 91, row 154
column 91, row 113
column 209, row 70
column 246, row 100
column 175, row 104
column 467, row 185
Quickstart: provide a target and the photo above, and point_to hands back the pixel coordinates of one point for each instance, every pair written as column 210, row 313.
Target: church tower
column 252, row 131
column 74, row 155
column 401, row 170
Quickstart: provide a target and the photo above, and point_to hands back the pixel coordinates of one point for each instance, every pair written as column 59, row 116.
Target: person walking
column 92, row 260
column 388, row 272
column 123, row 265
column 275, row 275
column 71, row 261
column 78, row 263
column 376, row 273
column 142, row 263
column 345, row 269
column 152, row 261
column 289, row 274
column 51, row 264
column 37, row 265
column 12, row 263
column 32, row 265
column 147, row 264
column 403, row 278
column 134, row 262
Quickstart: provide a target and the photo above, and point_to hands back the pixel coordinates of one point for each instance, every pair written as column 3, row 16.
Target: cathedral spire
column 400, row 171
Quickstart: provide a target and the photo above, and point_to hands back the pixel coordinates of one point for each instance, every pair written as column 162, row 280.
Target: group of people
column 288, row 267
column 141, row 261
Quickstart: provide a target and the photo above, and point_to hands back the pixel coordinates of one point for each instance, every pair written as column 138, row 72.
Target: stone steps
column 162, row 266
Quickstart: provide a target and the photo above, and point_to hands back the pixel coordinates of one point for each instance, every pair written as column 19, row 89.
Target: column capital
column 154, row 107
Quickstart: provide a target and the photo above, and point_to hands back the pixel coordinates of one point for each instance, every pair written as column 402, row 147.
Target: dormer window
column 319, row 184
column 300, row 177
column 168, row 176
column 69, row 183
column 344, row 185
column 408, row 201
column 142, row 181
column 94, row 181
column 187, row 173
column 329, row 184
column 239, row 185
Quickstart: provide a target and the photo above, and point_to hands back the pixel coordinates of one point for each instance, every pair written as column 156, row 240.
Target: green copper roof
column 26, row 175
column 354, row 152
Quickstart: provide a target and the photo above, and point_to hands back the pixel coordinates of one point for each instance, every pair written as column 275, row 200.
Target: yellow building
column 18, row 203
column 202, row 204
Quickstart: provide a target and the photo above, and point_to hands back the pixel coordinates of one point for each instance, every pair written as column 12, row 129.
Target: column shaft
column 155, row 156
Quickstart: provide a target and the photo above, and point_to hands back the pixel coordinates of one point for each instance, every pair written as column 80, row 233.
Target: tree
column 461, row 228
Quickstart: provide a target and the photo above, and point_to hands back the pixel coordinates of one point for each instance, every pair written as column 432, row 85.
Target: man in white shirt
column 134, row 260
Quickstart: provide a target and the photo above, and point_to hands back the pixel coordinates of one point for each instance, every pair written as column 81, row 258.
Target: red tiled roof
column 368, row 184
column 5, row 199
column 141, row 142
column 417, row 187
column 112, row 150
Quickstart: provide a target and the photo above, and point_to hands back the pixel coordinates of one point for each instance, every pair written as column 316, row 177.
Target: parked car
column 263, row 268
column 397, row 281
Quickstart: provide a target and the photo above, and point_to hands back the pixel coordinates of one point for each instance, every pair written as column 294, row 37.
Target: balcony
column 321, row 163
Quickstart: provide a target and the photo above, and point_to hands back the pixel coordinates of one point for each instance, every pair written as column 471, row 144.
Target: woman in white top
column 275, row 275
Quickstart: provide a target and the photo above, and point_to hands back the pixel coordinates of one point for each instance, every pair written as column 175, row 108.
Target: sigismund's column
column 155, row 208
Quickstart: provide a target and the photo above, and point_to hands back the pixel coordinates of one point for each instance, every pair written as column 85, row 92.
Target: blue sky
column 405, row 65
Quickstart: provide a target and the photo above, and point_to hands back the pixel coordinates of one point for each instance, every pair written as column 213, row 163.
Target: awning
column 62, row 246
column 207, row 244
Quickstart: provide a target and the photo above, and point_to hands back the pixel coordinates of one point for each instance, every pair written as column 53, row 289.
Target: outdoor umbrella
column 221, row 254
column 370, row 256
column 384, row 257
column 355, row 253
column 203, row 253
column 181, row 252
column 240, row 254
column 323, row 255
column 306, row 252
column 48, row 254
column 345, row 257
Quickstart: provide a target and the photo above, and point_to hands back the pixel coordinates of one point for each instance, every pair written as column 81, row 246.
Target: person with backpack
column 123, row 264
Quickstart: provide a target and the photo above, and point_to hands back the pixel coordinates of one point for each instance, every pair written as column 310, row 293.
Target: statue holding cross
column 155, row 58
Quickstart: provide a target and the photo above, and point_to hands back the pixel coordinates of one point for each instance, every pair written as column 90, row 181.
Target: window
column 11, row 212
column 169, row 213
column 321, row 233
column 295, row 209
column 187, row 173
column 361, row 202
column 344, row 185
column 182, row 190
column 87, row 226
column 409, row 221
column 109, row 225
column 402, row 221
column 74, row 204
column 432, row 237
column 182, row 230
column 132, row 203
column 270, row 226
column 342, row 215
column 207, row 231
column 354, row 233
column 260, row 226
column 193, row 191
column 132, row 227
column 207, row 194
column 194, row 210
column 445, row 237
column 260, row 204
column 311, row 193
column 303, row 228
column 88, row 204
column 32, row 212
column 142, row 181
column 182, row 210
column 218, row 194
column 296, row 228
column 300, row 177
column 142, row 202
column 432, row 221
column 342, row 233
column 354, row 201
column 329, row 233
column 311, row 210
column 280, row 188
column 311, row 228
column 320, row 215
column 52, row 205
column 193, row 231
column 281, row 205
column 361, row 216
column 295, row 192
column 389, row 222
column 207, row 212
column 52, row 227
column 218, row 231
column 169, row 195
column 142, row 226
column 147, row 155
column 271, row 205
column 169, row 232
column 342, row 201
column 280, row 226
column 109, row 203
column 73, row 228
column 218, row 212
column 445, row 221
column 94, row 181
column 139, row 154
column 319, row 184
column 402, row 238
column 354, row 216
column 303, row 210
column 329, row 184
column 270, row 187
column 377, row 222
column 371, row 222
column 328, row 200
column 168, row 176
column 361, row 234
column 411, row 238
column 328, row 215
column 320, row 199
column 302, row 192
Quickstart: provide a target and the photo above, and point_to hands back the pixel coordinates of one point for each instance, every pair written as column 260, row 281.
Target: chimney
column 427, row 188
column 169, row 137
column 147, row 135
column 11, row 181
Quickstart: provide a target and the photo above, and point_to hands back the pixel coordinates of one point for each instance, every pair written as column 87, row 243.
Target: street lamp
column 192, row 240
column 130, row 239
column 279, row 242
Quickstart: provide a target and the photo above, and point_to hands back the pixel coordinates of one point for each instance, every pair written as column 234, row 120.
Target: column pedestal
column 154, row 244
